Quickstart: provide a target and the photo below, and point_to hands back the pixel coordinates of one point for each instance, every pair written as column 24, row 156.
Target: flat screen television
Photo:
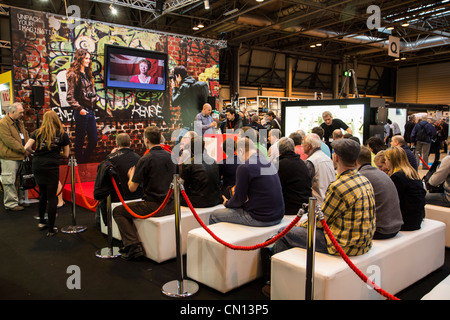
column 135, row 69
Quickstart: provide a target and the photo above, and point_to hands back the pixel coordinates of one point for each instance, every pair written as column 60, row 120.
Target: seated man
column 441, row 176
column 400, row 141
column 155, row 172
column 122, row 158
column 228, row 166
column 200, row 175
column 388, row 214
column 258, row 198
column 294, row 177
column 348, row 209
column 320, row 166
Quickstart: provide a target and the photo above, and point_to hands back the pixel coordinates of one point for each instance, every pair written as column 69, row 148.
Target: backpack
column 201, row 91
column 421, row 134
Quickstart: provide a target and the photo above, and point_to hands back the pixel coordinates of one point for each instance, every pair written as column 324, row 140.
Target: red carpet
column 87, row 189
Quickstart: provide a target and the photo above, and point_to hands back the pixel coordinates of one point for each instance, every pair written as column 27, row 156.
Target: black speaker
column 37, row 96
column 212, row 101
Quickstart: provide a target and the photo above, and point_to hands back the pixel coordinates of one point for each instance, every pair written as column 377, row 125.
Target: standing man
column 421, row 137
column 274, row 123
column 13, row 137
column 204, row 120
column 329, row 125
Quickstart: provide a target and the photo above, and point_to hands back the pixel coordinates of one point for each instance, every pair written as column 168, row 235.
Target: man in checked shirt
column 348, row 208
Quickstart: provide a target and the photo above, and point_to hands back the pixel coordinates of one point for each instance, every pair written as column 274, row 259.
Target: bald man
column 204, row 120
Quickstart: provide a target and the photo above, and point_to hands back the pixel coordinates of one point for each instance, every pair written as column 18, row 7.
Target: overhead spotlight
column 195, row 28
column 405, row 24
column 113, row 9
column 259, row 0
column 390, row 28
column 206, row 3
column 396, row 59
column 200, row 25
column 403, row 58
column 318, row 44
column 312, row 46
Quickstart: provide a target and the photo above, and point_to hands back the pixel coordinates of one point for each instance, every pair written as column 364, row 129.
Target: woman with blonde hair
column 50, row 138
column 410, row 188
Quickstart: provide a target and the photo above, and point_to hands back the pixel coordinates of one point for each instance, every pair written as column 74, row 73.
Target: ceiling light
column 206, row 3
column 231, row 12
column 403, row 58
column 195, row 28
column 113, row 10
column 318, row 44
column 200, row 25
column 405, row 24
column 396, row 59
column 390, row 28
column 313, row 46
column 259, row 0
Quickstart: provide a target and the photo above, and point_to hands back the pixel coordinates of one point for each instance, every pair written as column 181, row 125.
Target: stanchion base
column 108, row 253
column 73, row 229
column 172, row 288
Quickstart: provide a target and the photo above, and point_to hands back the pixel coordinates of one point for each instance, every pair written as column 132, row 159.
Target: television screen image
column 307, row 117
column 135, row 69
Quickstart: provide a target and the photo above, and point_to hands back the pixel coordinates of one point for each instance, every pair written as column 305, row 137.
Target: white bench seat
column 441, row 214
column 157, row 234
column 220, row 267
column 440, row 292
column 397, row 263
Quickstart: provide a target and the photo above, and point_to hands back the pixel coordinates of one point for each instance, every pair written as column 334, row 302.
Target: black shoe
column 52, row 232
column 135, row 251
column 124, row 249
column 266, row 290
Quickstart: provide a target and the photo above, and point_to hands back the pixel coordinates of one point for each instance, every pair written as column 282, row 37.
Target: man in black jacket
column 186, row 96
column 294, row 177
column 155, row 172
column 233, row 121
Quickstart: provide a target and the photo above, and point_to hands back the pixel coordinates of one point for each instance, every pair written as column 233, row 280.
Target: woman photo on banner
column 82, row 97
column 49, row 139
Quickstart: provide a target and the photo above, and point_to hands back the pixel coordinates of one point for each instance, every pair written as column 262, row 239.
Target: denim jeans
column 85, row 126
column 238, row 216
column 298, row 237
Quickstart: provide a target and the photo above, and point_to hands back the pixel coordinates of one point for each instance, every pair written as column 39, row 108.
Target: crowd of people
column 264, row 175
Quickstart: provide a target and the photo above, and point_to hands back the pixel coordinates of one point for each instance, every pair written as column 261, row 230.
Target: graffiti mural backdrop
column 43, row 46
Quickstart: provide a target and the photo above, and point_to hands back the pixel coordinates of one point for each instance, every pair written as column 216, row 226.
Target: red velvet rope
column 426, row 164
column 234, row 247
column 65, row 180
column 82, row 192
column 163, row 204
column 352, row 266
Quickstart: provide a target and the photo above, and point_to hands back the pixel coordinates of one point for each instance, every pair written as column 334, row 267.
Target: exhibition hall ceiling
column 333, row 30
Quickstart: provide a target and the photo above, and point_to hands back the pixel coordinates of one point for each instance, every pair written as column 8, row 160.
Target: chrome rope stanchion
column 310, row 249
column 108, row 252
column 73, row 228
column 179, row 288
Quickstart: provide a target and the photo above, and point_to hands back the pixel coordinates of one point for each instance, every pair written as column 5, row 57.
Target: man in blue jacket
column 421, row 137
column 258, row 199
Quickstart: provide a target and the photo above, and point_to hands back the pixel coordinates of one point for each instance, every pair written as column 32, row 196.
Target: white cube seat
column 157, row 234
column 393, row 264
column 441, row 214
column 440, row 292
column 220, row 267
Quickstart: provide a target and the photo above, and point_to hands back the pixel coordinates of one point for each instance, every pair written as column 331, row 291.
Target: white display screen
column 307, row 117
